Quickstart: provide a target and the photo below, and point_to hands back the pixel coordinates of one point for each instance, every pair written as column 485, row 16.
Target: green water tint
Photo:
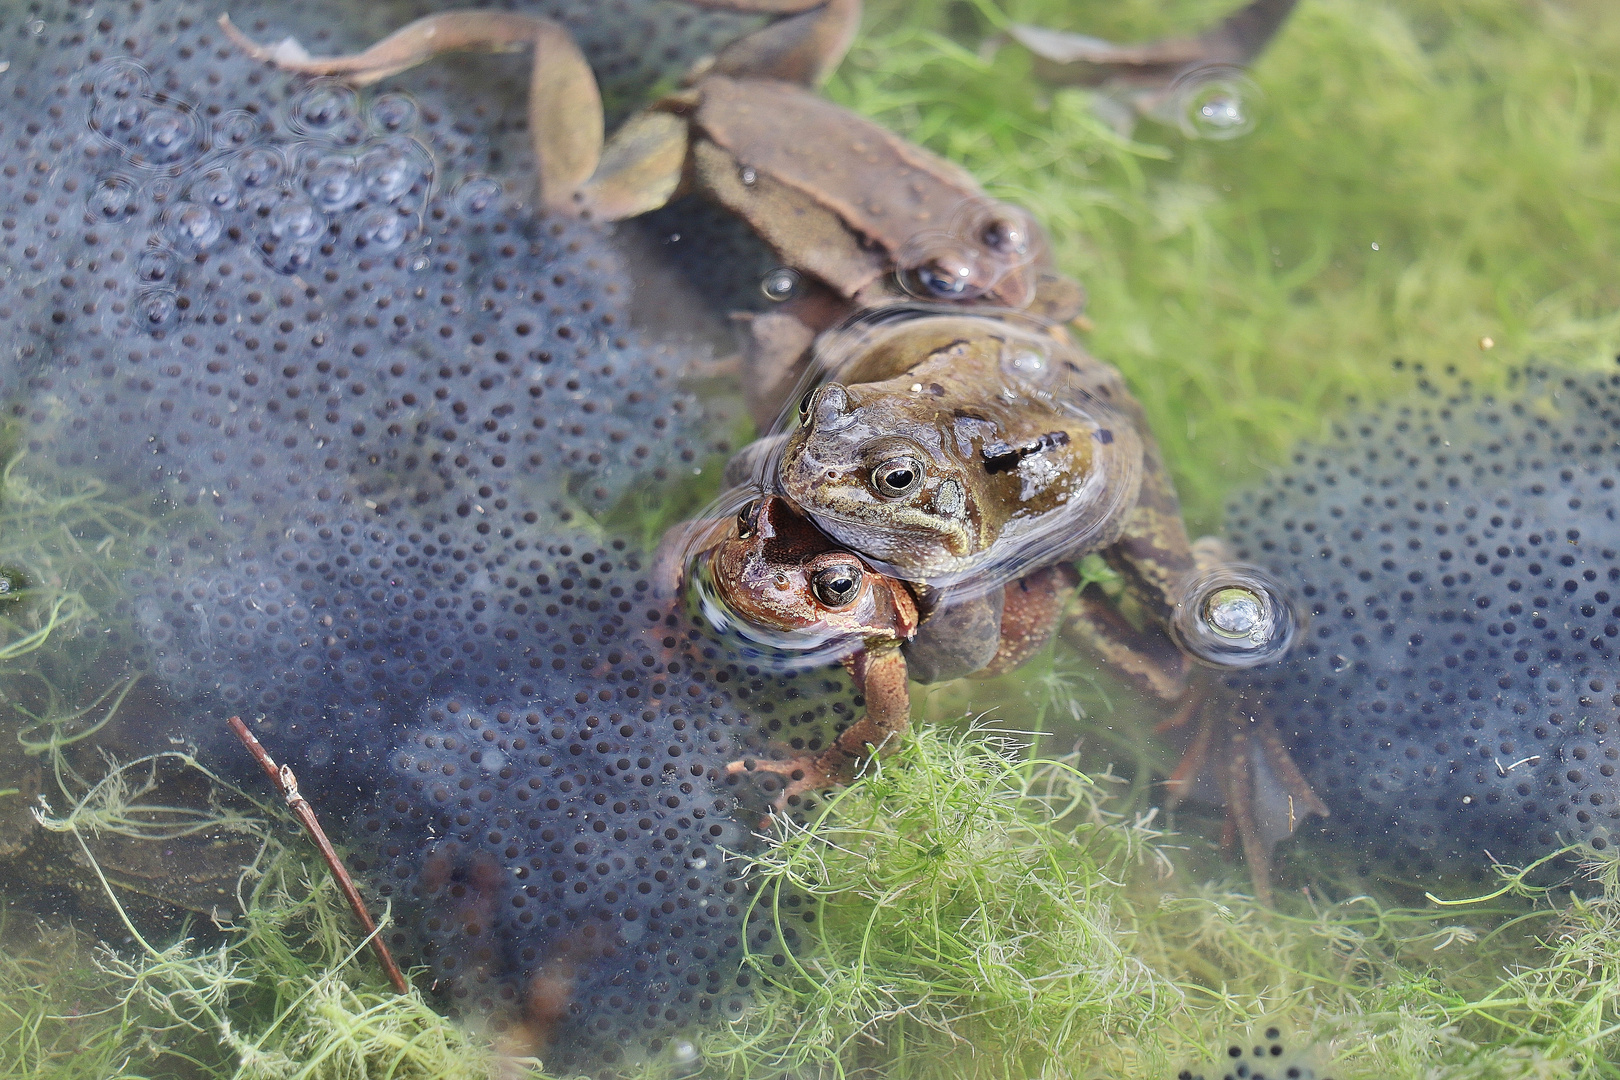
column 979, row 913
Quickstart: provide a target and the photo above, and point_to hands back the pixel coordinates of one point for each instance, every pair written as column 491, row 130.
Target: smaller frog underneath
column 773, row 570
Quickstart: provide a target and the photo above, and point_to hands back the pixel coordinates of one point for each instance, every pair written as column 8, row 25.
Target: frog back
column 809, row 175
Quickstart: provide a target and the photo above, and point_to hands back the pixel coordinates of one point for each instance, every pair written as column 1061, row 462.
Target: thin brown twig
column 287, row 784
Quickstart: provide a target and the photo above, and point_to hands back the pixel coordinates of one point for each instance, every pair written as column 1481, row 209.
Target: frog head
column 891, row 475
column 777, row 571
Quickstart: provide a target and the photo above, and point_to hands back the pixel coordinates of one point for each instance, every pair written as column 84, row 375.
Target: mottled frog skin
column 956, row 450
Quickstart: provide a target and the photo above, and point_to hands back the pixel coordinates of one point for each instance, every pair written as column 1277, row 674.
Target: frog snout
column 831, row 411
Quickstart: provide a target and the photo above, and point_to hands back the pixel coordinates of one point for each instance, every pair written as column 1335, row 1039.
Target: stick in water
column 287, row 784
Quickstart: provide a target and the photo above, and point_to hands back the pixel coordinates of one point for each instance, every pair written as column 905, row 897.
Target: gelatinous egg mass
column 1457, row 560
column 366, row 403
column 1263, row 1056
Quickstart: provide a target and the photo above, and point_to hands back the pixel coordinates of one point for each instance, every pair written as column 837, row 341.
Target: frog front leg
column 880, row 677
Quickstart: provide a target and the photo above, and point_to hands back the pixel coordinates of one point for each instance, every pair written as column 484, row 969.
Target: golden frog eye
column 745, row 519
column 804, row 403
column 897, row 477
column 836, row 586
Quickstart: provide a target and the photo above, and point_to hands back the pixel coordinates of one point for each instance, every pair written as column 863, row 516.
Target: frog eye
column 804, row 403
column 1006, row 234
column 745, row 519
column 836, row 586
column 949, row 273
column 897, row 477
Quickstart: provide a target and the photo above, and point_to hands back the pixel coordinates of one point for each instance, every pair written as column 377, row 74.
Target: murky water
column 314, row 418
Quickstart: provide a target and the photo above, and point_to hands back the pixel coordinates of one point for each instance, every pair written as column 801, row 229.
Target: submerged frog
column 866, row 217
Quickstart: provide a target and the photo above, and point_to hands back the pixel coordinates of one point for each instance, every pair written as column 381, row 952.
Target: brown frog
column 868, row 218
column 770, row 568
column 775, row 571
column 976, row 458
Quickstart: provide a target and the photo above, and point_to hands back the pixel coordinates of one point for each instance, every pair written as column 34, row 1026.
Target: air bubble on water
column 169, row 135
column 333, row 182
column 382, row 230
column 478, row 194
column 1217, row 103
column 1233, row 616
column 113, row 198
column 194, row 226
column 323, row 108
column 35, row 27
column 155, row 267
column 393, row 112
column 419, row 264
column 285, row 258
column 780, row 284
column 117, row 119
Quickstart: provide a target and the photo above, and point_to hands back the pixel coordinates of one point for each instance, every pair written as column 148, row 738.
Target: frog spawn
column 1265, row 1058
column 366, row 461
column 1454, row 692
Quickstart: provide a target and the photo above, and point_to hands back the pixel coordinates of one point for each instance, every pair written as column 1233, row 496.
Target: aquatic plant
column 1238, row 287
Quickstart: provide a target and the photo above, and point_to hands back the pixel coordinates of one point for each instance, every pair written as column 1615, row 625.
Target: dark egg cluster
column 1268, row 1058
column 372, row 408
column 1454, row 692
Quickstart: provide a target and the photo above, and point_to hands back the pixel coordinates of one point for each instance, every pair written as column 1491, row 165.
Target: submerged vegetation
column 1431, row 180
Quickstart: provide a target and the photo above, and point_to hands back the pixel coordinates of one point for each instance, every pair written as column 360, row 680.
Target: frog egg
column 780, row 284
column 478, row 194
column 393, row 112
column 194, row 227
column 1215, row 103
column 1233, row 616
column 324, row 108
column 113, row 198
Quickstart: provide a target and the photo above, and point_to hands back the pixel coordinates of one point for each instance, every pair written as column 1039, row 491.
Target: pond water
column 313, row 417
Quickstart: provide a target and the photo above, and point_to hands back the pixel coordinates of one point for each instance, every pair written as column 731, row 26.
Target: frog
column 863, row 217
column 1157, row 79
column 771, row 568
column 977, row 458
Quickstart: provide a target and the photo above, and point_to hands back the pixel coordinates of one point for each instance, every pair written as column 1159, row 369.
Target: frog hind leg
column 1077, row 59
column 1031, row 612
column 880, row 675
column 803, row 47
column 565, row 105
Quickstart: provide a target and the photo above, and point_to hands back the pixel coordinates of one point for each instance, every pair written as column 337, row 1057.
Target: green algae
column 978, row 910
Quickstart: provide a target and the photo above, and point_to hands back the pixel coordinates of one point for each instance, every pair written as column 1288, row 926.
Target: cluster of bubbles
column 1459, row 561
column 370, row 402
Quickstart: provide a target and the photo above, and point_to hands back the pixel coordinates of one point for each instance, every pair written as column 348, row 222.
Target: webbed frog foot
column 1266, row 795
column 800, row 774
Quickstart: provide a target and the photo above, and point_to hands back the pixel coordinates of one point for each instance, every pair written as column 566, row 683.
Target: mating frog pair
column 927, row 511
column 954, row 467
